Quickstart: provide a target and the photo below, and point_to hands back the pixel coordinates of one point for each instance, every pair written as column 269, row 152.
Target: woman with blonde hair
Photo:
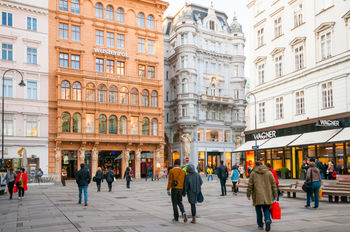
column 99, row 178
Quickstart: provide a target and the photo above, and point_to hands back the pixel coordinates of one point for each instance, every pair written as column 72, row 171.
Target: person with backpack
column 99, row 179
column 222, row 175
column 10, row 181
column 128, row 176
column 21, row 183
column 235, row 178
column 83, row 180
column 110, row 179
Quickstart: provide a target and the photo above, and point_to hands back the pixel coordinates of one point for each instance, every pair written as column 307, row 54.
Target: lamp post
column 22, row 84
column 256, row 132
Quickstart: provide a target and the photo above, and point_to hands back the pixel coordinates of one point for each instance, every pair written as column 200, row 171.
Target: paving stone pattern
column 146, row 207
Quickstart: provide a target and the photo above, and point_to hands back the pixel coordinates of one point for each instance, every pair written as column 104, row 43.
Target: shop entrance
column 299, row 161
column 213, row 159
column 111, row 159
column 146, row 162
column 69, row 163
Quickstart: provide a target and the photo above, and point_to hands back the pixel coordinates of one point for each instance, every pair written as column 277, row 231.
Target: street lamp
column 22, row 84
column 256, row 132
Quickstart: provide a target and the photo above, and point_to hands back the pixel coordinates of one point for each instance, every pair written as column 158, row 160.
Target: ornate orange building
column 106, row 85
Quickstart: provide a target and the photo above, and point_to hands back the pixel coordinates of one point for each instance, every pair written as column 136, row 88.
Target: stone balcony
column 216, row 100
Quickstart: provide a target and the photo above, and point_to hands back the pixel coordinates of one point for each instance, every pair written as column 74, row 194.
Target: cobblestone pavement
column 147, row 207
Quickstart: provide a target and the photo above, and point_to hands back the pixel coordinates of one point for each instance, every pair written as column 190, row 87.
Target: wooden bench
column 343, row 178
column 242, row 183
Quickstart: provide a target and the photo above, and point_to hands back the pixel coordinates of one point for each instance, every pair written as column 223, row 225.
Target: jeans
column 193, row 209
column 176, row 200
column 315, row 188
column 20, row 192
column 128, row 184
column 235, row 189
column 150, row 175
column 98, row 183
column 210, row 176
column 10, row 188
column 85, row 188
column 109, row 186
column 260, row 209
column 223, row 186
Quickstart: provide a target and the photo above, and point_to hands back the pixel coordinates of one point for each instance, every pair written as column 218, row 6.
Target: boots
column 193, row 220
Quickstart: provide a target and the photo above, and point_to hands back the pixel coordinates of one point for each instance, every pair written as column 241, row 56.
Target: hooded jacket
column 262, row 186
column 193, row 184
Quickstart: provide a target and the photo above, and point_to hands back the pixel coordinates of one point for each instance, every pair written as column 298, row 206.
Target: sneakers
column 185, row 217
column 79, row 202
column 85, row 204
column 268, row 225
column 306, row 206
column 260, row 228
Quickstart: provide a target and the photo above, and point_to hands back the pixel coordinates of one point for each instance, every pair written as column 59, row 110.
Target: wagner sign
column 334, row 123
column 110, row 52
column 266, row 135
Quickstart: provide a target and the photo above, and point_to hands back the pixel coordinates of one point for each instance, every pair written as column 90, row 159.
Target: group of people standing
column 16, row 182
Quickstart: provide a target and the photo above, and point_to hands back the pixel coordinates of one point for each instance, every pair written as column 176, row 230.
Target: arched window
column 134, row 97
column 145, row 98
column 122, row 125
column 109, row 13
column 76, row 91
column 150, row 21
column 102, row 124
column 145, row 126
column 154, row 127
column 140, row 20
column 90, row 92
column 65, row 122
column 99, row 11
column 65, row 90
column 184, row 87
column 112, row 123
column 120, row 15
column 76, row 123
column 102, row 93
column 154, row 99
column 112, row 94
column 124, row 96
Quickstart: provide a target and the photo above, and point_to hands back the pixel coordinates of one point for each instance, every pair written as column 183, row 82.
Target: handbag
column 19, row 182
column 307, row 186
column 94, row 179
column 275, row 210
column 200, row 197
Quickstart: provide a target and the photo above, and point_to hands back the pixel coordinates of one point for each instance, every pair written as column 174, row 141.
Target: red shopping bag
column 275, row 210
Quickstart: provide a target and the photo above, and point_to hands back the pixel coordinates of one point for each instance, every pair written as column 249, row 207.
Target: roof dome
column 235, row 25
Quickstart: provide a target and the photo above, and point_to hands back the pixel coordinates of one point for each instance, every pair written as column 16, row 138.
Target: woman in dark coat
column 192, row 188
column 99, row 179
column 127, row 176
column 109, row 179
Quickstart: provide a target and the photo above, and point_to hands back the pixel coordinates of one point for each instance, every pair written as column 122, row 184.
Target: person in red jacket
column 274, row 173
column 21, row 183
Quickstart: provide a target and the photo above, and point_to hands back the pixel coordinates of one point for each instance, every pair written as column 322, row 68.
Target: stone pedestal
column 125, row 161
column 138, row 163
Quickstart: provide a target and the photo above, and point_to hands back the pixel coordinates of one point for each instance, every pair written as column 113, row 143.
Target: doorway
column 300, row 158
column 69, row 163
column 213, row 160
column 111, row 159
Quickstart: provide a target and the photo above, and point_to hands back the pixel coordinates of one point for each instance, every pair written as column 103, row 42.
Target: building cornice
column 259, row 23
column 24, row 7
column 297, row 40
column 277, row 11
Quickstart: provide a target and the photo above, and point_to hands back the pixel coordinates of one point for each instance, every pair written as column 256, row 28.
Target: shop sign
column 335, row 123
column 266, row 135
column 110, row 52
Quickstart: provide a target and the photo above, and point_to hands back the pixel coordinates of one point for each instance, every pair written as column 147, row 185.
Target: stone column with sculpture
column 94, row 160
column 125, row 161
column 81, row 156
column 138, row 163
column 186, row 146
column 58, row 156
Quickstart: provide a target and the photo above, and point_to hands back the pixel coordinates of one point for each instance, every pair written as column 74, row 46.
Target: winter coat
column 234, row 175
column 274, row 173
column 83, row 177
column 110, row 176
column 262, row 186
column 127, row 175
column 192, row 186
column 99, row 175
column 177, row 174
column 316, row 175
column 222, row 172
column 10, row 177
column 24, row 179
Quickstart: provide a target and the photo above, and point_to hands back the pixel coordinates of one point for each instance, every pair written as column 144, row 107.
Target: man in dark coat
column 83, row 180
column 222, row 175
column 109, row 179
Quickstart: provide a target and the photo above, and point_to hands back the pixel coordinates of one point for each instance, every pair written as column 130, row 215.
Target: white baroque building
column 24, row 46
column 204, row 84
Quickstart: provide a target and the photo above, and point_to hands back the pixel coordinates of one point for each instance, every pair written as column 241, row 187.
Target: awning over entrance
column 279, row 141
column 343, row 135
column 315, row 137
column 248, row 145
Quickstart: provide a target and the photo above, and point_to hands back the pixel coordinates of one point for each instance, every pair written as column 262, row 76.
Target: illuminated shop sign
column 110, row 52
column 328, row 123
column 266, row 135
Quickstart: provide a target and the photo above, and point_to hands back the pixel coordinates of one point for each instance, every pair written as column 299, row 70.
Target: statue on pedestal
column 186, row 144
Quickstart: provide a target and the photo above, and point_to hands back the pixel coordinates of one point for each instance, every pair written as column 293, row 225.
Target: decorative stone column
column 138, row 163
column 160, row 158
column 81, row 156
column 58, row 157
column 125, row 161
column 94, row 159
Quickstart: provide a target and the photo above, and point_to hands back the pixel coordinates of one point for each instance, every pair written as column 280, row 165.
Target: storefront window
column 228, row 163
column 176, row 155
column 347, row 150
column 268, row 156
column 277, row 158
column 250, row 159
column 287, row 157
column 339, row 155
column 201, row 160
column 134, row 124
column 261, row 157
column 214, row 135
column 311, row 151
column 200, row 134
column 325, row 153
column 227, row 136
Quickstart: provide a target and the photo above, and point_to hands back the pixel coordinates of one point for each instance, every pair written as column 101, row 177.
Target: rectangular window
column 142, row 71
column 300, row 102
column 184, row 38
column 7, row 19
column 64, row 60
column 99, row 65
column 63, row 5
column 236, row 93
column 235, row 70
column 327, row 95
column 63, row 31
column 8, row 88
column 279, row 108
column 261, row 112
column 141, row 46
column 8, row 125
column 278, row 27
column 31, row 55
column 214, row 135
column 261, row 73
column 298, row 17
column 200, row 134
column 32, row 126
column 120, row 41
column 150, row 72
column 31, row 24
column 90, row 123
column 75, row 7
column 151, row 47
column 227, row 136
column 110, row 39
column 75, row 60
column 326, row 45
column 7, row 52
column 120, row 68
column 99, row 38
column 110, row 66
column 184, row 111
column 260, row 37
column 299, row 57
column 213, row 66
column 32, row 90
column 235, row 49
column 134, row 124
column 278, row 66
column 75, row 33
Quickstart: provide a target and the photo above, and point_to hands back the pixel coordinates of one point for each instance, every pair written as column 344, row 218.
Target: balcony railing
column 216, row 99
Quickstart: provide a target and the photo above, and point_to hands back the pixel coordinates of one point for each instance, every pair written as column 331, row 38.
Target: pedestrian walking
column 198, row 169
column 241, row 171
column 127, row 176
column 235, row 178
column 262, row 187
column 150, row 173
column 110, row 179
column 63, row 176
column 250, row 169
column 176, row 181
column 83, row 180
column 10, row 181
column 210, row 173
column 21, row 183
column 99, row 179
column 274, row 173
column 39, row 174
column 330, row 169
column 222, row 175
column 313, row 175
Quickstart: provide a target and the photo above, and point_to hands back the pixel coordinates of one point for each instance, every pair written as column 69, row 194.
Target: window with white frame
column 141, row 46
column 75, row 61
column 236, row 93
column 150, row 49
column 7, row 51
column 279, row 108
column 63, row 60
column 120, row 15
column 32, row 55
column 261, row 112
column 120, row 41
column 63, row 31
column 300, row 102
column 278, row 26
column 110, row 39
column 326, row 43
column 31, row 24
column 63, row 5
column 99, row 38
column 327, row 95
column 75, row 33
column 150, row 22
column 298, row 16
column 8, row 87
column 260, row 37
column 109, row 13
column 32, row 90
column 299, row 57
column 235, row 49
column 184, row 110
column 6, row 19
column 184, row 38
column 8, row 125
column 278, row 65
column 32, row 125
column 75, row 6
column 235, row 70
column 184, row 86
column 261, row 73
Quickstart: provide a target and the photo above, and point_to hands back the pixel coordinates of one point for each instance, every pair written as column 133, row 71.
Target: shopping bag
column 320, row 194
column 275, row 210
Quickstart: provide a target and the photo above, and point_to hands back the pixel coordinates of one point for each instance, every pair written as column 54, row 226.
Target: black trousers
column 20, row 192
column 223, row 186
column 109, row 186
column 234, row 183
column 128, row 183
column 98, row 183
column 176, row 199
column 193, row 209
column 10, row 188
column 63, row 180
